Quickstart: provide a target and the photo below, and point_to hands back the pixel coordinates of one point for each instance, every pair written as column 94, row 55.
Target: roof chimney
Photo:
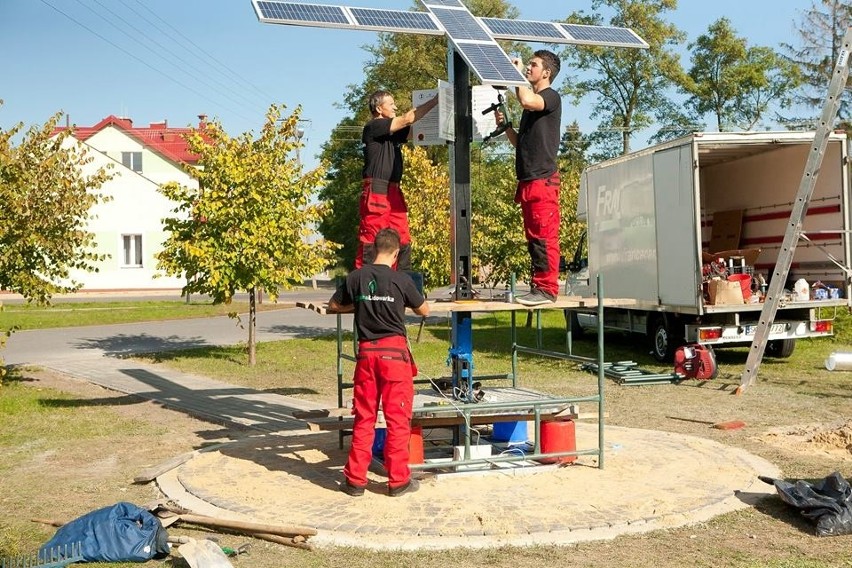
column 202, row 120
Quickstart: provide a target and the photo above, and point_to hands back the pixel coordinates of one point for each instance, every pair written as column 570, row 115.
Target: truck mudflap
column 719, row 334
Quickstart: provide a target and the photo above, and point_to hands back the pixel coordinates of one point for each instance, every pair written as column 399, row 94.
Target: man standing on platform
column 382, row 202
column 537, row 143
column 385, row 369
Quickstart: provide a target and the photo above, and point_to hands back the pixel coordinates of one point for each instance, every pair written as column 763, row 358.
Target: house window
column 132, row 160
column 132, row 248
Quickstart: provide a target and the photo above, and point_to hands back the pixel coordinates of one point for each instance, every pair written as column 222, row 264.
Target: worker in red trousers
column 536, row 145
column 382, row 201
column 384, row 369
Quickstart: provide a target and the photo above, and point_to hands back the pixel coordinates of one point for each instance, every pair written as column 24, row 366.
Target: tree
column 718, row 73
column 248, row 224
column 47, row 189
column 733, row 82
column 820, row 32
column 629, row 85
column 429, row 216
column 773, row 80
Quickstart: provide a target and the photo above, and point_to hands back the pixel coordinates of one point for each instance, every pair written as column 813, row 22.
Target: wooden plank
column 438, row 307
column 153, row 472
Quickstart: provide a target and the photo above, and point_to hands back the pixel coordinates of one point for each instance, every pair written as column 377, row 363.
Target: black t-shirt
column 383, row 150
column 380, row 295
column 538, row 139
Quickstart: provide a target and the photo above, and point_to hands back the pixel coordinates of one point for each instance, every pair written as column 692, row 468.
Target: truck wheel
column 780, row 348
column 663, row 342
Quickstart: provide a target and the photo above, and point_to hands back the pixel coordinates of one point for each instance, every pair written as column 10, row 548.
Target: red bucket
column 745, row 284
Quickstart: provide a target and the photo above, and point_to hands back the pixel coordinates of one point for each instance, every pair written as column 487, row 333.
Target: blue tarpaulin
column 119, row 533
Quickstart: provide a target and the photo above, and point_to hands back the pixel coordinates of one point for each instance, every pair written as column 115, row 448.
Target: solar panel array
column 555, row 32
column 394, row 19
column 472, row 37
column 302, row 13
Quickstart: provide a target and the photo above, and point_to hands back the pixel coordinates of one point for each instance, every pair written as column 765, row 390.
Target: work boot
column 536, row 297
column 351, row 490
column 410, row 487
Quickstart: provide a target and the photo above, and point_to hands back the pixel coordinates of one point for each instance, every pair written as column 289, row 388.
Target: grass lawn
column 70, row 447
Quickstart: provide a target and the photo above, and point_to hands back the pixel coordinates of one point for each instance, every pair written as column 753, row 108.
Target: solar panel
column 523, row 29
column 476, row 46
column 490, row 63
column 453, row 3
column 395, row 20
column 604, row 35
column 291, row 12
column 460, row 24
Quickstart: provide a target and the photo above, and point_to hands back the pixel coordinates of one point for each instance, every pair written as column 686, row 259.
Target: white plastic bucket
column 839, row 362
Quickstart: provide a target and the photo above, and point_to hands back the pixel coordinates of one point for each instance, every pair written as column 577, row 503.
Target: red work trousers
column 539, row 200
column 382, row 206
column 384, row 373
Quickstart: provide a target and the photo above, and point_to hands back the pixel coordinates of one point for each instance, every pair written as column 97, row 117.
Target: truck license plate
column 776, row 328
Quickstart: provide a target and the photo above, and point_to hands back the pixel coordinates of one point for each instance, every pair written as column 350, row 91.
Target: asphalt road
column 43, row 346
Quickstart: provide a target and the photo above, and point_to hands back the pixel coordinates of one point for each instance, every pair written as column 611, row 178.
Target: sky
column 155, row 60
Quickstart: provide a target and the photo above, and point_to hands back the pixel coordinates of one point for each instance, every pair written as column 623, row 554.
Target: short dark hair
column 387, row 240
column 550, row 61
column 376, row 99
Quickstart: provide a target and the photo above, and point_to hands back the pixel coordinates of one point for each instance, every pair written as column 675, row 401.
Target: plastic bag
column 119, row 533
column 828, row 503
column 204, row 554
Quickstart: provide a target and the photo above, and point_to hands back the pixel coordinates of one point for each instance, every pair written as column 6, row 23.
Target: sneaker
column 536, row 297
column 410, row 487
column 351, row 490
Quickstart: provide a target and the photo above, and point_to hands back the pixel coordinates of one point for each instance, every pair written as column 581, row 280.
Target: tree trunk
column 252, row 325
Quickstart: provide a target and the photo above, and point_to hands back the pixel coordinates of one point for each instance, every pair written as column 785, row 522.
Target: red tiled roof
column 157, row 137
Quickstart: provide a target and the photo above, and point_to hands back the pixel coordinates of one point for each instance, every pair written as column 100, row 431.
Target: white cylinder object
column 803, row 291
column 839, row 362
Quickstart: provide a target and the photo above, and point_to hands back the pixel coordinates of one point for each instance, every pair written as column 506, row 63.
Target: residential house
column 129, row 227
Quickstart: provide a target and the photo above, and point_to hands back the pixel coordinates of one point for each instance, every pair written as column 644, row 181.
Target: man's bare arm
column 412, row 116
column 334, row 307
column 423, row 310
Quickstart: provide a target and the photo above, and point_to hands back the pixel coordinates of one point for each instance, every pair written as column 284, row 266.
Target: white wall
column 136, row 208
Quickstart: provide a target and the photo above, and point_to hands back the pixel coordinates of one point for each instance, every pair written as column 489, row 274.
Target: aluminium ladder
column 797, row 215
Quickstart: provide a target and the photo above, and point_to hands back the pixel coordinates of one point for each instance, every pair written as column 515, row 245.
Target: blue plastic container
column 379, row 442
column 509, row 432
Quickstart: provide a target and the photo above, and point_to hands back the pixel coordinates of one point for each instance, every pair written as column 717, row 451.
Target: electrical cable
column 137, row 58
column 262, row 93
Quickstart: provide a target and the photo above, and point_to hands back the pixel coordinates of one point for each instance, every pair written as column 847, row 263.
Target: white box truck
column 650, row 219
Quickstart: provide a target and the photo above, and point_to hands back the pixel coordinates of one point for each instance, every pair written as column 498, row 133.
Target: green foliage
column 497, row 230
column 820, row 34
column 629, row 85
column 733, row 82
column 342, row 190
column 428, row 200
column 47, row 188
column 249, row 222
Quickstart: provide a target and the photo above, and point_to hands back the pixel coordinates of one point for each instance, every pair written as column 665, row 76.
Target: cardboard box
column 723, row 292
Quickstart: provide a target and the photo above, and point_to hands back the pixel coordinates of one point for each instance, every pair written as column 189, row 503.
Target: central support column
column 461, row 352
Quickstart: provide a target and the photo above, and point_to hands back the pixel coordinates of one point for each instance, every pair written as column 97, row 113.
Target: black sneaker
column 410, row 487
column 351, row 490
column 536, row 297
